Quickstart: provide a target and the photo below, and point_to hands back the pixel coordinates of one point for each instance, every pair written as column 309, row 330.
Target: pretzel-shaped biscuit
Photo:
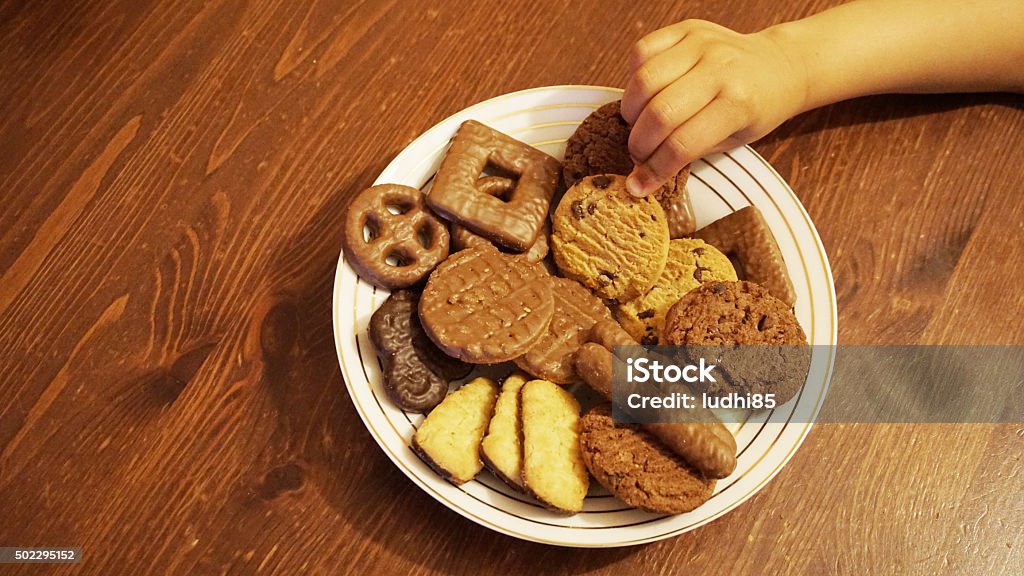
column 401, row 248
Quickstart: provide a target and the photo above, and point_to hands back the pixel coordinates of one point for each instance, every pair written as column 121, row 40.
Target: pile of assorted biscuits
column 482, row 270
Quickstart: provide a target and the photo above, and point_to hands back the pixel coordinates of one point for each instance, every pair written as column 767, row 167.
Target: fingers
column 707, row 132
column 669, row 109
column 657, row 42
column 654, row 75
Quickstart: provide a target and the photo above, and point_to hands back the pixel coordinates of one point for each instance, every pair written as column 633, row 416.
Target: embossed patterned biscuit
column 637, row 468
column 609, row 241
column 499, row 186
column 416, row 373
column 486, row 307
column 600, row 145
column 690, row 263
column 745, row 235
column 415, row 240
column 514, row 220
column 576, row 311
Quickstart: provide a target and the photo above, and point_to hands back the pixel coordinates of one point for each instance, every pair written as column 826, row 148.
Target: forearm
column 886, row 46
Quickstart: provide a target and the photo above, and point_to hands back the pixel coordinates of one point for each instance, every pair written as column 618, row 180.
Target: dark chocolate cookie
column 752, row 336
column 416, row 373
column 637, row 468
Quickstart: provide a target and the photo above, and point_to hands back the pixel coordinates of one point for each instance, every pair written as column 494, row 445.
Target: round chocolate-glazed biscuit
column 576, row 311
column 609, row 241
column 600, row 145
column 400, row 248
column 637, row 468
column 463, row 238
column 771, row 357
column 416, row 373
column 486, row 307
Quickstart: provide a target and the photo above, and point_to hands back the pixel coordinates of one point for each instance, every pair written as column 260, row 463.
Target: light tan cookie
column 449, row 438
column 502, row 450
column 609, row 241
column 553, row 468
column 691, row 262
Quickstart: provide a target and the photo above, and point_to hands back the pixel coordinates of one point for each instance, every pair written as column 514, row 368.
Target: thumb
column 642, row 181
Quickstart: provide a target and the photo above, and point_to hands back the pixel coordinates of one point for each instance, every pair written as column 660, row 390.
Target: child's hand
column 698, row 88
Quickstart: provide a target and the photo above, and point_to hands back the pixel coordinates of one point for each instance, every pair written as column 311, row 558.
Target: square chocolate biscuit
column 514, row 220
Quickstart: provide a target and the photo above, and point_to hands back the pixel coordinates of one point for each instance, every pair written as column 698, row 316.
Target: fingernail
column 635, row 186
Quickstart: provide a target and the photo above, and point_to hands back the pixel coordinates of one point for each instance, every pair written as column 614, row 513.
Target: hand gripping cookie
column 416, row 373
column 600, row 145
column 514, row 220
column 400, row 249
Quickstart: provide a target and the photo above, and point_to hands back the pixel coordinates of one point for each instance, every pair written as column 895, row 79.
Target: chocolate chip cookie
column 772, row 356
column 609, row 241
column 690, row 263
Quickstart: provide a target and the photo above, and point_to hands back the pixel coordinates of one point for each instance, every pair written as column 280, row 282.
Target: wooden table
column 174, row 176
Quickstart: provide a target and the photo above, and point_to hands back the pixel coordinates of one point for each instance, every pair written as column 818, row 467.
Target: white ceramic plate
column 545, row 118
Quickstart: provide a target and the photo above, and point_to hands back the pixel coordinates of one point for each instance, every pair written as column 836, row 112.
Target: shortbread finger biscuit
column 486, row 307
column 576, row 310
column 690, row 263
column 745, row 235
column 502, row 449
column 609, row 241
column 449, row 438
column 705, row 443
column 638, row 469
column 553, row 468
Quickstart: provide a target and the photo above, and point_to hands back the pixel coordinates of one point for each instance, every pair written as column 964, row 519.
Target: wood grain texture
column 172, row 182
